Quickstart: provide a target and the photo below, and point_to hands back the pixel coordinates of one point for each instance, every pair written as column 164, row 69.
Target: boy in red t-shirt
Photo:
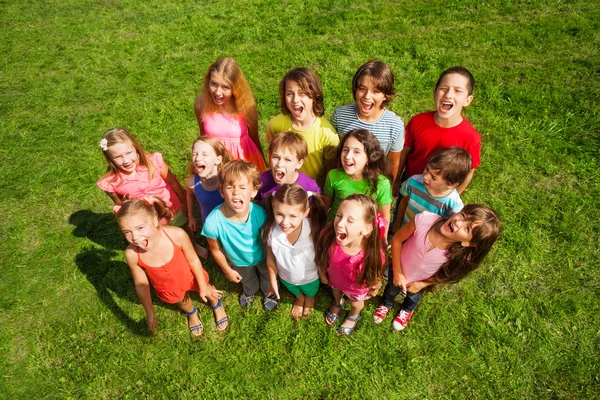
column 445, row 127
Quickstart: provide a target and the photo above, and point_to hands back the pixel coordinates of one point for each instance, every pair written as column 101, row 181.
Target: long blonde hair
column 120, row 135
column 242, row 97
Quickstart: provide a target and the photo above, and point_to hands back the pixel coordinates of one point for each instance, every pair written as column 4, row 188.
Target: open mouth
column 447, row 106
column 237, row 203
column 279, row 176
column 200, row 168
column 367, row 106
column 348, row 165
column 340, row 236
column 142, row 244
column 450, row 227
column 298, row 110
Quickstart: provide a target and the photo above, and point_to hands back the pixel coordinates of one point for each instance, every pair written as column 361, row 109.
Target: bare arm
column 168, row 176
column 142, row 288
column 221, row 260
column 399, row 238
column 385, row 213
column 190, row 200
column 393, row 162
column 114, row 197
column 198, row 111
column 253, row 133
column 401, row 166
column 400, row 216
column 272, row 269
column 464, row 185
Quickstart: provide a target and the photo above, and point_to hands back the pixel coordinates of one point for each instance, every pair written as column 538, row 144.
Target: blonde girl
column 226, row 110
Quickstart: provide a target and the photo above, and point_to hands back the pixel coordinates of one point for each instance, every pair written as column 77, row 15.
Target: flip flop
column 223, row 323
column 198, row 327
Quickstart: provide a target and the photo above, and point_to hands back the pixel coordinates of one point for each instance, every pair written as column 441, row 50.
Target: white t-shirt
column 296, row 263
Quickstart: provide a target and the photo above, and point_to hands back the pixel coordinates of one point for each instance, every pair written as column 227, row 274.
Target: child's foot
column 220, row 316
column 298, row 308
column 309, row 304
column 245, row 301
column 270, row 302
column 331, row 315
column 401, row 320
column 348, row 325
column 201, row 251
column 194, row 323
column 380, row 313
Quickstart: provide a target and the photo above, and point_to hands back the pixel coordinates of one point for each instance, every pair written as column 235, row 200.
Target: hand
column 192, row 224
column 151, row 323
column 324, row 280
column 415, row 287
column 233, row 276
column 400, row 281
column 374, row 291
column 210, row 292
column 275, row 289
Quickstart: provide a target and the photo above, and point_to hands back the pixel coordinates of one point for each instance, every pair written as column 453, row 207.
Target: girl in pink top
column 350, row 257
column 133, row 174
column 226, row 110
column 431, row 250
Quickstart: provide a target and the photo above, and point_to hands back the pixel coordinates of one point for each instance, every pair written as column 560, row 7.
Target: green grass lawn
column 525, row 325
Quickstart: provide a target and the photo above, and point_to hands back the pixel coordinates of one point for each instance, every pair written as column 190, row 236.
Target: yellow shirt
column 321, row 138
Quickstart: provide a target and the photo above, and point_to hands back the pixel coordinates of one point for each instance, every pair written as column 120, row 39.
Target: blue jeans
column 391, row 291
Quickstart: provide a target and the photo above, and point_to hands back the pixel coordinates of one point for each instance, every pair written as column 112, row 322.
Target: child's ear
column 367, row 230
column 453, row 185
column 307, row 212
column 469, row 100
column 218, row 160
column 300, row 163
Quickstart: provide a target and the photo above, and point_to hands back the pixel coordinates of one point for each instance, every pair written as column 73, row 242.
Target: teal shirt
column 240, row 241
column 339, row 186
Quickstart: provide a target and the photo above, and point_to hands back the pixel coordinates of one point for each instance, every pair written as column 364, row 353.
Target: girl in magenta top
column 133, row 174
column 432, row 250
column 350, row 257
column 226, row 110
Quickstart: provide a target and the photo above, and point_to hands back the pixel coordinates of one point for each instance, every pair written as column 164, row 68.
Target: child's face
column 238, row 195
column 434, row 182
column 124, row 156
column 220, row 89
column 284, row 164
column 459, row 229
column 140, row 229
column 369, row 99
column 354, row 158
column 289, row 218
column 451, row 96
column 205, row 160
column 298, row 102
column 350, row 225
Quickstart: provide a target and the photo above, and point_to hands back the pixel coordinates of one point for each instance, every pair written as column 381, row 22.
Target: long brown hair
column 372, row 273
column 375, row 157
column 309, row 82
column 292, row 194
column 152, row 206
column 462, row 260
column 242, row 96
column 120, row 135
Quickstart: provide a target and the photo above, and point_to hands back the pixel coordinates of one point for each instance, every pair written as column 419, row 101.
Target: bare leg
column 298, row 307
column 357, row 306
column 309, row 304
column 193, row 320
column 335, row 308
column 201, row 251
column 219, row 312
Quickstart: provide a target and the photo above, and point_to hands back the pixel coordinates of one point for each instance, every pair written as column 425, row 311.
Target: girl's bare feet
column 298, row 307
column 309, row 303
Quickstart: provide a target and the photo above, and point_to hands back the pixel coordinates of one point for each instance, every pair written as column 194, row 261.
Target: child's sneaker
column 380, row 313
column 245, row 300
column 401, row 320
column 270, row 302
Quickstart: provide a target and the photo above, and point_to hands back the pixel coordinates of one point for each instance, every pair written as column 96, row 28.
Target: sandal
column 223, row 322
column 344, row 330
column 198, row 327
column 331, row 318
column 270, row 303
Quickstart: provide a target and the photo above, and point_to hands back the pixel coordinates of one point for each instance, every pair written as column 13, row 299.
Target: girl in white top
column 294, row 218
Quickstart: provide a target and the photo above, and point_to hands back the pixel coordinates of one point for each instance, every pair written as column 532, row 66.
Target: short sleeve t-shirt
column 339, row 186
column 424, row 136
column 420, row 200
column 389, row 129
column 240, row 241
column 295, row 262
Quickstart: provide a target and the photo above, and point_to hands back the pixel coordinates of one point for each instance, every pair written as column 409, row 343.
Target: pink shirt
column 418, row 263
column 343, row 270
column 137, row 185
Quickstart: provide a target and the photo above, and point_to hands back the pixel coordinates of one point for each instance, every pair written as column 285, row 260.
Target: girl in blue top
column 208, row 155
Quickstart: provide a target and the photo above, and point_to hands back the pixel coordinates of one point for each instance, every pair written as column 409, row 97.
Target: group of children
column 320, row 213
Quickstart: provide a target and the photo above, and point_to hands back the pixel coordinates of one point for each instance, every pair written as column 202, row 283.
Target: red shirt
column 424, row 136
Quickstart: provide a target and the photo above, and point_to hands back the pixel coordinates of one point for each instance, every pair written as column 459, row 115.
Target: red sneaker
column 380, row 313
column 401, row 320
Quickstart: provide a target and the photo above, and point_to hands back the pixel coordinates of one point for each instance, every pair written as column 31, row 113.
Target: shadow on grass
column 99, row 228
column 110, row 278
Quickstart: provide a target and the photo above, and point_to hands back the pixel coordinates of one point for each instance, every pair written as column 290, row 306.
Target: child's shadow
column 110, row 278
column 99, row 228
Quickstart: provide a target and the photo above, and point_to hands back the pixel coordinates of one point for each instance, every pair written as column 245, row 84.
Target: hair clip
column 380, row 223
column 273, row 193
column 104, row 144
column 309, row 193
column 116, row 209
